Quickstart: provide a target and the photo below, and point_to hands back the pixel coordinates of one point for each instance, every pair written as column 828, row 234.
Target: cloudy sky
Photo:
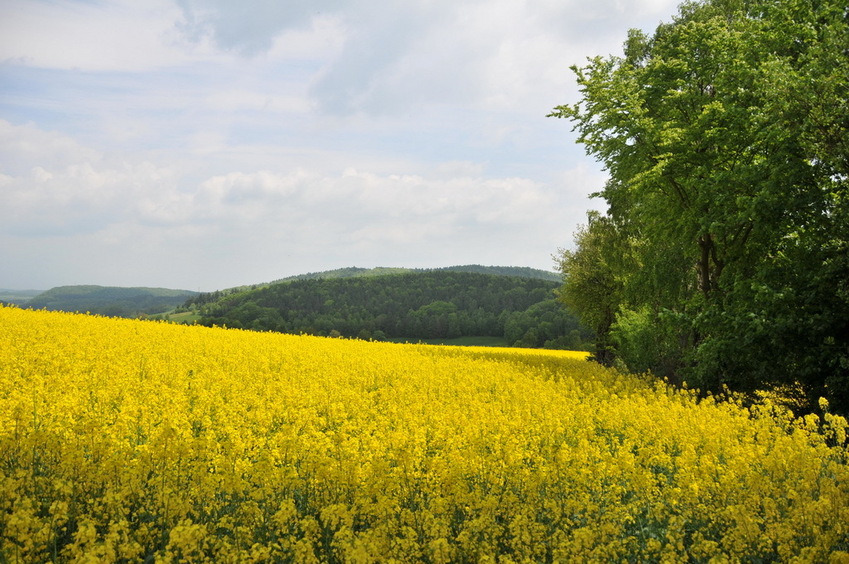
column 203, row 144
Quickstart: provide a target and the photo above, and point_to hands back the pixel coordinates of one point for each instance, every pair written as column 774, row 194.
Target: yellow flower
column 133, row 440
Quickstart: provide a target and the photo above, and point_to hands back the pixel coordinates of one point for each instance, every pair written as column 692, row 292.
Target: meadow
column 127, row 440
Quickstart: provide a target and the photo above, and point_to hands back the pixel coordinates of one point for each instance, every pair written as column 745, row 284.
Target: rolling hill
column 17, row 297
column 469, row 304
column 438, row 304
column 110, row 300
column 355, row 272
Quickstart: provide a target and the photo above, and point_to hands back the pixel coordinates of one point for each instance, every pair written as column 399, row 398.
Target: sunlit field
column 126, row 440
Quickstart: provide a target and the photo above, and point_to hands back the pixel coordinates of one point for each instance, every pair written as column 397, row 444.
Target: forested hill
column 110, row 300
column 354, row 272
column 433, row 304
column 359, row 272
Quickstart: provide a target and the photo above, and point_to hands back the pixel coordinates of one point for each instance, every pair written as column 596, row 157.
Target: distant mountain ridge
column 113, row 301
column 17, row 297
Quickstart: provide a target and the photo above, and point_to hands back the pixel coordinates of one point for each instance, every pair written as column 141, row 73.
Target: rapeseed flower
column 125, row 440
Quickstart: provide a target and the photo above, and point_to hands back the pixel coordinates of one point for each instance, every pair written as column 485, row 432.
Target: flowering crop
column 126, row 440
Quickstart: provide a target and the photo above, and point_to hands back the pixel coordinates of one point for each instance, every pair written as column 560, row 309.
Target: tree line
column 439, row 304
column 723, row 256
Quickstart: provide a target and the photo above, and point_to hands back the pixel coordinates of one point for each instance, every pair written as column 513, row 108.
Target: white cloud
column 130, row 210
column 493, row 54
column 322, row 40
column 92, row 36
column 247, row 27
column 56, row 186
column 380, row 59
column 26, row 146
column 215, row 143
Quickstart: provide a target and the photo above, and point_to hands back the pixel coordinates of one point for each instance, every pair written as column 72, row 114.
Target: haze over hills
column 18, row 297
column 110, row 300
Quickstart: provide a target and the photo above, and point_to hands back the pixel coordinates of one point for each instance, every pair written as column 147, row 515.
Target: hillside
column 110, row 300
column 354, row 272
column 416, row 305
column 18, row 297
column 360, row 272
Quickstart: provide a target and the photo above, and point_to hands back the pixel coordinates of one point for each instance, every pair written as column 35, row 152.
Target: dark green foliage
column 517, row 271
column 592, row 289
column 357, row 272
column 354, row 272
column 436, row 304
column 726, row 136
column 110, row 300
column 546, row 324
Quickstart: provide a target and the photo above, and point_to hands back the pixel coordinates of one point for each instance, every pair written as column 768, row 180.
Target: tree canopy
column 725, row 138
column 434, row 304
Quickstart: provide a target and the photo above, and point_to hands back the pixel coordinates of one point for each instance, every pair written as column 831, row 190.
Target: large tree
column 593, row 288
column 725, row 138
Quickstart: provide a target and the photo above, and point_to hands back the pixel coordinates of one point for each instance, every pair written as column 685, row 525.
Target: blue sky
column 203, row 144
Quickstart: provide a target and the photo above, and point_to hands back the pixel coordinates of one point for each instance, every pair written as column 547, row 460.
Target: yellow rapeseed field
column 134, row 441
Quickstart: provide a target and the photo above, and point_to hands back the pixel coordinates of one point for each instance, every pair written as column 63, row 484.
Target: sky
column 206, row 144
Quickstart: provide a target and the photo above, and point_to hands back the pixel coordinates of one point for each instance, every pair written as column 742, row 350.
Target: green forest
column 354, row 272
column 722, row 259
column 112, row 301
column 418, row 305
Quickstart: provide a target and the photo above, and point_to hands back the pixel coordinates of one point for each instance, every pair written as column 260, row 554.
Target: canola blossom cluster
column 126, row 440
